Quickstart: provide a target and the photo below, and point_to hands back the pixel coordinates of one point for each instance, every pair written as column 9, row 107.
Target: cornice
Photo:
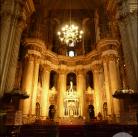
column 34, row 44
column 107, row 44
column 72, row 64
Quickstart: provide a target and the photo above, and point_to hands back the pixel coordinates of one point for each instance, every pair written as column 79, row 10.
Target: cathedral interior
column 68, row 63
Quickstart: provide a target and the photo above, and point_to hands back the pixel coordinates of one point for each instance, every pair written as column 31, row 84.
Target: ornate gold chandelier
column 70, row 34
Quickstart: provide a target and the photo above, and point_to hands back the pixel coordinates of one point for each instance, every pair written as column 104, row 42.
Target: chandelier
column 70, row 34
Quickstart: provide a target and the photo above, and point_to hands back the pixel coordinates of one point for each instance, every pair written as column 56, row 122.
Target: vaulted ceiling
column 54, row 13
column 73, row 4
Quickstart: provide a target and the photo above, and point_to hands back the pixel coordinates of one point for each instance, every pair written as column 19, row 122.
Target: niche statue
column 52, row 112
column 91, row 111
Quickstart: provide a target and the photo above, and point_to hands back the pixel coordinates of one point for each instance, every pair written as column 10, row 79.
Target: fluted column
column 114, row 80
column 27, row 84
column 45, row 89
column 34, row 86
column 9, row 85
column 62, row 90
column 107, row 86
column 81, row 90
column 127, row 22
column 112, row 83
column 13, row 17
column 9, row 21
column 97, row 88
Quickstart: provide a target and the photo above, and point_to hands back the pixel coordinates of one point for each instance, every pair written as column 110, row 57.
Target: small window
column 71, row 53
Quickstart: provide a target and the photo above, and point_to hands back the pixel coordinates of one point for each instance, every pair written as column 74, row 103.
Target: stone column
column 27, row 84
column 127, row 22
column 97, row 88
column 81, row 90
column 62, row 90
column 45, row 89
column 9, row 23
column 34, row 86
column 114, row 81
column 9, row 85
column 107, row 86
column 13, row 17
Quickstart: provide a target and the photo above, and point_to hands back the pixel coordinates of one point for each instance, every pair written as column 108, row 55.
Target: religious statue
column 71, row 85
column 52, row 112
column 70, row 90
column 91, row 111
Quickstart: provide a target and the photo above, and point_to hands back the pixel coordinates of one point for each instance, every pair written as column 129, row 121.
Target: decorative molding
column 110, row 57
column 106, row 44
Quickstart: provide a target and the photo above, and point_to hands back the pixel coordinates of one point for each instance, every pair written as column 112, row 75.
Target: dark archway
column 53, row 79
column 89, row 79
column 71, row 77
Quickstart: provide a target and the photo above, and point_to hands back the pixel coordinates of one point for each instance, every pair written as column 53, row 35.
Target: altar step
column 100, row 130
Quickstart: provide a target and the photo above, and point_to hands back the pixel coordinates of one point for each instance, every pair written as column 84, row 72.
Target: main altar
column 71, row 102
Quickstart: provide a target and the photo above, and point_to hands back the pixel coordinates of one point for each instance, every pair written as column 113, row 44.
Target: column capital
column 63, row 71
column 46, row 67
column 80, row 71
column 110, row 57
column 34, row 44
column 97, row 68
column 32, row 57
column 108, row 44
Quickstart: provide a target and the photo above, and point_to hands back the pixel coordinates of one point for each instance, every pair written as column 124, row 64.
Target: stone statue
column 91, row 111
column 71, row 85
column 52, row 112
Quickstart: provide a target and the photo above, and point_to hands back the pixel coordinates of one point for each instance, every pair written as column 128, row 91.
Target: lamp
column 70, row 33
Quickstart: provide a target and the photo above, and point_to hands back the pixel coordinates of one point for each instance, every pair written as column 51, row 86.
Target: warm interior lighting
column 70, row 34
column 71, row 53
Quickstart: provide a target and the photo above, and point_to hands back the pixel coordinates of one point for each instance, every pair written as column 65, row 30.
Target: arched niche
column 37, row 111
column 105, row 111
column 53, row 79
column 71, row 77
column 89, row 80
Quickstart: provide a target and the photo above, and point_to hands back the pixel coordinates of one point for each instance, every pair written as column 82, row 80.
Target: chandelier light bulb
column 59, row 33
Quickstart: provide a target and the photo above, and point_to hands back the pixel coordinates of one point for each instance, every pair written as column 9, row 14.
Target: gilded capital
column 80, row 71
column 97, row 67
column 110, row 57
column 62, row 71
column 46, row 67
column 34, row 44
